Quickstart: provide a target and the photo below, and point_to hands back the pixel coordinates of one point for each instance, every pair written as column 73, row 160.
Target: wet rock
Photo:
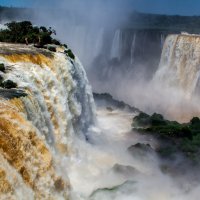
column 65, row 46
column 140, row 149
column 2, row 67
column 8, row 84
column 125, row 170
column 59, row 184
column 12, row 93
column 51, row 48
column 1, row 79
column 109, row 109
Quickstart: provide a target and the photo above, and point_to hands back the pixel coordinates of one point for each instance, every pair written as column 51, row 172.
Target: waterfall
column 176, row 81
column 116, row 45
column 180, row 66
column 37, row 129
column 133, row 48
column 162, row 40
column 98, row 42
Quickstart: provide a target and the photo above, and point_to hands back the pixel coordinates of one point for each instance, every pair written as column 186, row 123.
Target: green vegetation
column 107, row 100
column 7, row 84
column 65, row 46
column 184, row 137
column 25, row 32
column 51, row 48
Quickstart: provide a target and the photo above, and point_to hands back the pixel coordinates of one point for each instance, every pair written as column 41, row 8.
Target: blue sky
column 182, row 7
column 18, row 3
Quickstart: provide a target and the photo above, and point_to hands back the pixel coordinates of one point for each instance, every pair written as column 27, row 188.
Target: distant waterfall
column 133, row 48
column 116, row 45
column 180, row 64
column 162, row 40
column 98, row 43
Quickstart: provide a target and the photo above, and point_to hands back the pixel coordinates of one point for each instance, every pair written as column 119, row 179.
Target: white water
column 162, row 40
column 93, row 167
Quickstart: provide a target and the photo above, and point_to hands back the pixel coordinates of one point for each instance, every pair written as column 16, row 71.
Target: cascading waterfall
column 179, row 66
column 178, row 76
column 53, row 104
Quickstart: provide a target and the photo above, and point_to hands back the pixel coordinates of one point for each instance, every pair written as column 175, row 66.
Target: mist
column 110, row 171
column 82, row 24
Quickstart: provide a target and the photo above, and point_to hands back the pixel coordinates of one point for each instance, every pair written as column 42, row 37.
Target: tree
column 25, row 32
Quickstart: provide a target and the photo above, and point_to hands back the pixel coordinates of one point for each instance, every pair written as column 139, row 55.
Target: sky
column 181, row 7
column 18, row 3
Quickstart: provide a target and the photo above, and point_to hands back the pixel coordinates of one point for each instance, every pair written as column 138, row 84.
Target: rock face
column 38, row 120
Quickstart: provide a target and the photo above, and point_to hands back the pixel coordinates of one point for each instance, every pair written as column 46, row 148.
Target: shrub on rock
column 56, row 42
column 65, row 46
column 142, row 120
column 51, row 48
column 69, row 53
